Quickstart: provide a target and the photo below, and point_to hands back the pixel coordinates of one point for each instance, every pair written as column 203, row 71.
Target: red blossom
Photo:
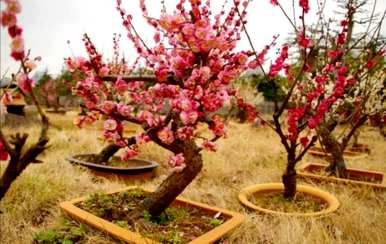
column 3, row 152
column 304, row 4
column 303, row 41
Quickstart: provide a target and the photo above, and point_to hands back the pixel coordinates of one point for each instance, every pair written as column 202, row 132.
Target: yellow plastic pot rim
column 332, row 201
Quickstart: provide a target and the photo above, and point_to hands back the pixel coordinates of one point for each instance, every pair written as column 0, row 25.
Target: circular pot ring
column 332, row 201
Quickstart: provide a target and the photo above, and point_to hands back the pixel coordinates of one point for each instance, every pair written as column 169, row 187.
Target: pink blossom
column 209, row 145
column 217, row 126
column 188, row 117
column 110, row 125
column 176, row 160
column 7, row 19
column 24, row 83
column 78, row 121
column 108, row 106
column 17, row 44
column 104, row 71
column 13, row 7
column 129, row 153
column 166, row 135
column 185, row 132
column 124, row 110
column 121, row 85
column 142, row 138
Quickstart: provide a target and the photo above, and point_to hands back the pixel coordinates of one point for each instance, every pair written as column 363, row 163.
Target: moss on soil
column 302, row 203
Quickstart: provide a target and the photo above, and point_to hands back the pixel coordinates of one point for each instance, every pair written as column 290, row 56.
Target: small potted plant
column 193, row 65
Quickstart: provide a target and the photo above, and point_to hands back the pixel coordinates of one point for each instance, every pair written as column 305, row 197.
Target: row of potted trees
column 192, row 64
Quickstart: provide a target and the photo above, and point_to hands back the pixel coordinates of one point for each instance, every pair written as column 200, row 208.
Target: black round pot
column 16, row 109
column 141, row 168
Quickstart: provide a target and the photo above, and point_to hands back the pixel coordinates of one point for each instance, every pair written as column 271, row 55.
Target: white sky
column 48, row 24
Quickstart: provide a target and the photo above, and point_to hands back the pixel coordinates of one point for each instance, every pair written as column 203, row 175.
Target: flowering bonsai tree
column 14, row 148
column 363, row 59
column 316, row 84
column 194, row 62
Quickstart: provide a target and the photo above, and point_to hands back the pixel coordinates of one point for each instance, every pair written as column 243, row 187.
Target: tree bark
column 174, row 184
column 19, row 162
column 289, row 177
column 337, row 164
column 13, row 170
column 106, row 153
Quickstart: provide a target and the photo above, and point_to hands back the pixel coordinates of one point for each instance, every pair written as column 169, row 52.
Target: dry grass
column 249, row 156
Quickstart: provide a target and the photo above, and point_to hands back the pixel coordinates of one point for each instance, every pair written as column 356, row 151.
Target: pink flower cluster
column 304, row 4
column 279, row 64
column 9, row 20
column 194, row 64
column 249, row 109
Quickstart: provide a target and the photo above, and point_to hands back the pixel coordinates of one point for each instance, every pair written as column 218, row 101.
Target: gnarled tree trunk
column 174, row 184
column 106, row 153
column 332, row 146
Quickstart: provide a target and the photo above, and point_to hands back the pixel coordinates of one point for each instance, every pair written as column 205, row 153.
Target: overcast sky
column 48, row 24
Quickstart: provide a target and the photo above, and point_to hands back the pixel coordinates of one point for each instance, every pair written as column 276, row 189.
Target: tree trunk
column 107, row 153
column 337, row 164
column 174, row 184
column 15, row 167
column 289, row 177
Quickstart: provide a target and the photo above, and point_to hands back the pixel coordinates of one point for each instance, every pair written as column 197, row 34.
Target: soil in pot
column 274, row 200
column 178, row 224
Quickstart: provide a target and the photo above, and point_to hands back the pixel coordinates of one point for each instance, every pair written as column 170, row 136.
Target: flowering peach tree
column 363, row 58
column 14, row 148
column 317, row 84
column 194, row 63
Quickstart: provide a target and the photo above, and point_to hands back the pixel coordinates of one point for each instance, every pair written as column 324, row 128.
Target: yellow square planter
column 306, row 172
column 235, row 219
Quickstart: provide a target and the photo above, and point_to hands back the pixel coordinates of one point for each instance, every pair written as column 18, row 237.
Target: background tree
column 14, row 148
column 362, row 57
column 315, row 85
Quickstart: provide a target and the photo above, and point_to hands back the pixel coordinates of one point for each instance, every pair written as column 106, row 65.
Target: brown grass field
column 250, row 155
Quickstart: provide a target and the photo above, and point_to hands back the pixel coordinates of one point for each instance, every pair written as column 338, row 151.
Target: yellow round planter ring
column 332, row 202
